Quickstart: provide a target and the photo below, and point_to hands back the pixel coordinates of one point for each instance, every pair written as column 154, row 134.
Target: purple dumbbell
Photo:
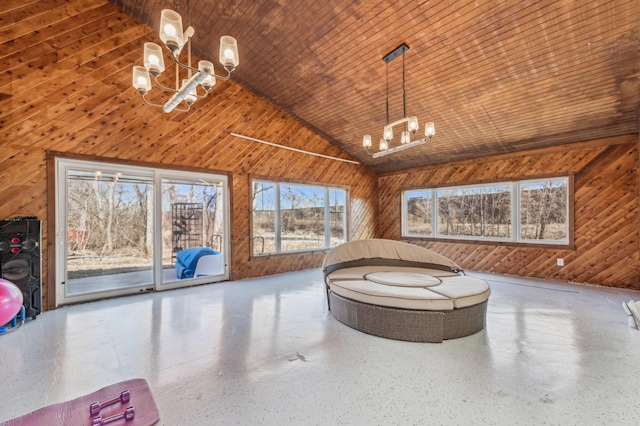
column 95, row 407
column 127, row 415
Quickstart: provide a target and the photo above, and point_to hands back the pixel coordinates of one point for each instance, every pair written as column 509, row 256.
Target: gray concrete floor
column 227, row 354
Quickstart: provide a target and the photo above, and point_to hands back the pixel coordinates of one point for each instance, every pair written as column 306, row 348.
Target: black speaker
column 21, row 259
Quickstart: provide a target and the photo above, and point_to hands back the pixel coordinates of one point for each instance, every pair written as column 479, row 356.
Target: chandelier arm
column 166, row 89
column 399, row 148
column 219, row 77
column 162, row 106
column 149, row 103
column 182, row 110
column 201, row 96
column 399, row 121
column 187, row 67
column 225, row 78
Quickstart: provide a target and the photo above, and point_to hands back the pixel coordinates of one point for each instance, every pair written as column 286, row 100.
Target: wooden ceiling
column 495, row 76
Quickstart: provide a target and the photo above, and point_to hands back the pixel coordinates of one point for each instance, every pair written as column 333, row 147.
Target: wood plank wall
column 66, row 88
column 606, row 208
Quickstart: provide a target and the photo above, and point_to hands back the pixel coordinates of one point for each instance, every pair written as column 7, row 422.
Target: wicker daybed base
column 400, row 291
column 407, row 324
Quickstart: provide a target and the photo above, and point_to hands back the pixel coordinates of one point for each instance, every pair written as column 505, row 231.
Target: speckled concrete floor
column 267, row 352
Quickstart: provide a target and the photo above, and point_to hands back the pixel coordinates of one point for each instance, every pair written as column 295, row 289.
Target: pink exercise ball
column 10, row 301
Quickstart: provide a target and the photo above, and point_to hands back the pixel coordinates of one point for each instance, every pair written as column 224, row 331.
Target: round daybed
column 401, row 291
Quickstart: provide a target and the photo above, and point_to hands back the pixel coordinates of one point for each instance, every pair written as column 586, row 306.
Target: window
column 192, row 216
column 482, row 211
column 289, row 217
column 533, row 211
column 418, row 207
column 543, row 210
column 337, row 216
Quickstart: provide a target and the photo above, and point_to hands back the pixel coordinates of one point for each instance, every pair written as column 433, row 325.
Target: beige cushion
column 360, row 271
column 386, row 249
column 392, row 296
column 403, row 279
column 418, row 290
column 464, row 291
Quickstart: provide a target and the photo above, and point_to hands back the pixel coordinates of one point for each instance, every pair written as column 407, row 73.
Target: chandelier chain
column 189, row 39
column 404, row 101
column 387, row 93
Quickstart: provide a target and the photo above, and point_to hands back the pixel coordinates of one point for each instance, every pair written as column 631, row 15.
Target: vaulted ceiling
column 495, row 76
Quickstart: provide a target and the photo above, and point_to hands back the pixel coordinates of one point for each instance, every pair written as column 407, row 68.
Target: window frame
column 515, row 239
column 277, row 214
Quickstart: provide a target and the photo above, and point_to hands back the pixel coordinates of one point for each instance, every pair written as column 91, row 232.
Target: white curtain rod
column 294, row 149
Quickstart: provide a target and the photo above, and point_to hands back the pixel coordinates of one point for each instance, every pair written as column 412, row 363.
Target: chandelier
column 410, row 124
column 186, row 90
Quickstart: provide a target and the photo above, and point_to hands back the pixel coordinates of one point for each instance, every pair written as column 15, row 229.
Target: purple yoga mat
column 76, row 411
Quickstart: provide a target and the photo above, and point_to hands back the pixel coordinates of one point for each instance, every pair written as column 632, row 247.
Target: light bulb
column 153, row 60
column 170, row 30
column 141, row 80
column 384, row 145
column 207, row 68
column 429, row 129
column 406, row 137
column 366, row 141
column 388, row 133
column 413, row 124
column 229, row 57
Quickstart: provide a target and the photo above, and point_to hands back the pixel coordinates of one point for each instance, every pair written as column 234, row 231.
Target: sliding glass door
column 109, row 238
column 122, row 230
column 193, row 228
